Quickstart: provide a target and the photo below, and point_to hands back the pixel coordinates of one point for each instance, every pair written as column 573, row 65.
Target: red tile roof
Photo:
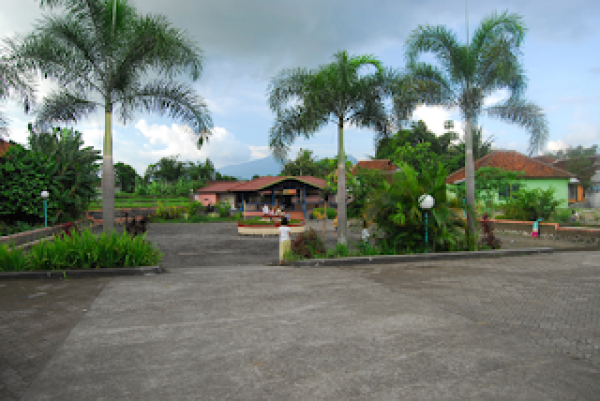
column 264, row 182
column 513, row 161
column 377, row 164
column 218, row 187
column 4, row 147
column 258, row 183
column 544, row 159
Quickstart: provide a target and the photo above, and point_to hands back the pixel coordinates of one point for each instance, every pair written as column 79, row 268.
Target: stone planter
column 267, row 229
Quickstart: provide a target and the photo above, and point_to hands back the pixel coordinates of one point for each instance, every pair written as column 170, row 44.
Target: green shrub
column 308, row 245
column 501, row 217
column 561, row 216
column 340, row 251
column 401, row 221
column 223, row 208
column 82, row 250
column 530, row 204
column 331, row 213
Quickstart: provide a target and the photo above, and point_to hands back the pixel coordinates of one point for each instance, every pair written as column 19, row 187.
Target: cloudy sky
column 248, row 42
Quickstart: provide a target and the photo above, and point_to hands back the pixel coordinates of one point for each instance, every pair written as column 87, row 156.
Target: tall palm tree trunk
column 108, row 175
column 470, row 178
column 342, row 225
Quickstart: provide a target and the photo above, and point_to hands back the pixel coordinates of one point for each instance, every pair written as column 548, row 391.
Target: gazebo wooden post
column 304, row 204
column 243, row 206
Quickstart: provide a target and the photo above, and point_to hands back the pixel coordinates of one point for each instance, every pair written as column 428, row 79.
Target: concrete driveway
column 271, row 333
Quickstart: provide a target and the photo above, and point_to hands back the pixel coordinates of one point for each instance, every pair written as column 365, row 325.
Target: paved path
column 510, row 328
column 257, row 333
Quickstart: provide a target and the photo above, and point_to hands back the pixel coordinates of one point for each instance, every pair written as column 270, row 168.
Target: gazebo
column 292, row 194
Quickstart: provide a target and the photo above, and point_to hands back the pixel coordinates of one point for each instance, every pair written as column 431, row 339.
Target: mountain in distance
column 263, row 167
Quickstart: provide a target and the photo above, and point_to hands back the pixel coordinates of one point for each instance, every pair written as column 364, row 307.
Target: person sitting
column 575, row 215
column 265, row 210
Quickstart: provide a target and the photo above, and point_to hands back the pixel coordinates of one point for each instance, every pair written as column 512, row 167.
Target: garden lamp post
column 426, row 202
column 191, row 195
column 45, row 195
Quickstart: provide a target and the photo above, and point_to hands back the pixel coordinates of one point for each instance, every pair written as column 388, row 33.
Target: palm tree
column 104, row 48
column 15, row 85
column 467, row 73
column 333, row 92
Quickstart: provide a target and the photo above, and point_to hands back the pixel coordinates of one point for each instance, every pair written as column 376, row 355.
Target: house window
column 572, row 191
column 508, row 191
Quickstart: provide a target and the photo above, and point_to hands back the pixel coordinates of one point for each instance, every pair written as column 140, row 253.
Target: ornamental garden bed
column 262, row 227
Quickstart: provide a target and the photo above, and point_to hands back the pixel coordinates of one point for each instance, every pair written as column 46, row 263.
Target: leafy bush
column 194, row 208
column 18, row 227
column 340, row 251
column 400, row 220
column 308, row 245
column 223, row 208
column 318, row 213
column 561, row 216
column 82, row 251
column 530, row 204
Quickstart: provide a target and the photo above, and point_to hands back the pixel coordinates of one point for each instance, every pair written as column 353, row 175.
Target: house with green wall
column 536, row 174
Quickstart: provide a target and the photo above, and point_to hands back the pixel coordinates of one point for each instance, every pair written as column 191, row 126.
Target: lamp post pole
column 426, row 202
column 45, row 195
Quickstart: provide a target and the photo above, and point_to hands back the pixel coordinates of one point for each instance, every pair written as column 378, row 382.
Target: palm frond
column 177, row 100
column 288, row 85
column 154, row 43
column 292, row 122
column 438, row 40
column 527, row 115
column 65, row 107
column 51, row 51
column 507, row 26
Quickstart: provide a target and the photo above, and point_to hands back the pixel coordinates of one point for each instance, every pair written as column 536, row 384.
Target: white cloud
column 496, row 97
column 553, row 146
column 434, row 117
column 259, row 152
column 222, row 147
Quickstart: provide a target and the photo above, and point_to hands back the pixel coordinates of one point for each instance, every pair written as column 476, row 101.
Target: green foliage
column 193, row 208
column 303, row 164
column 400, row 220
column 418, row 146
column 318, row 213
column 339, row 251
column 308, row 245
column 361, row 186
column 18, row 227
column 25, row 174
column 561, row 215
column 530, row 204
column 126, row 177
column 82, row 251
column 223, row 208
column 76, row 169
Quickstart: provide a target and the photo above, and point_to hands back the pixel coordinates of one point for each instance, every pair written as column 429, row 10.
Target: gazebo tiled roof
column 513, row 161
column 259, row 184
column 219, row 187
column 265, row 182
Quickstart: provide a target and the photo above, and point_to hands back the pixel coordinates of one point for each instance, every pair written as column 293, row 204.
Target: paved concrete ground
column 512, row 328
column 36, row 316
column 218, row 244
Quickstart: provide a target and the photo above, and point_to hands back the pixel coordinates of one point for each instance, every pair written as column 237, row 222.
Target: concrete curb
column 387, row 259
column 81, row 273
